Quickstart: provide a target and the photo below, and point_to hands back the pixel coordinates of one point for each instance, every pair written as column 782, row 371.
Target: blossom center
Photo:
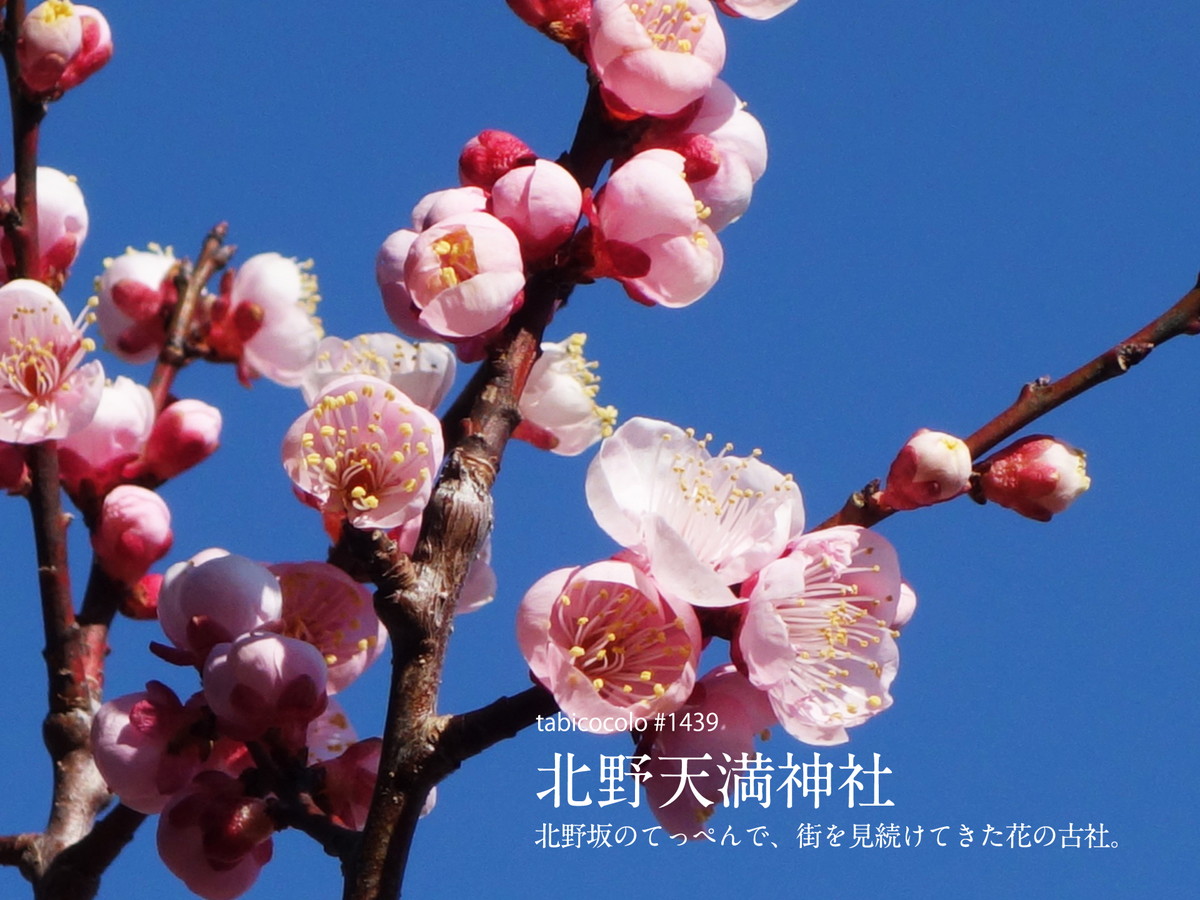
column 625, row 648
column 456, row 259
column 351, row 451
column 671, row 25
column 832, row 626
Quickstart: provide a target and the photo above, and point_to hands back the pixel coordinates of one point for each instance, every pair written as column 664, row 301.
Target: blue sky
column 961, row 197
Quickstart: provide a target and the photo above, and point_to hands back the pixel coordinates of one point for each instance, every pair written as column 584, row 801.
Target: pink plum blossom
column 365, row 452
column 424, row 371
column 464, row 275
column 215, row 597
column 136, row 293
column 434, row 207
column 931, row 468
column 701, row 522
column 263, row 681
column 333, row 612
column 741, row 712
column 62, row 224
column 330, row 733
column 266, row 320
column 185, row 434
column 540, row 203
column 349, row 782
column 45, row 393
column 94, row 458
column 214, row 837
column 1038, row 476
column 648, row 233
column 653, row 57
column 60, row 45
column 490, row 154
column 558, row 407
column 755, row 9
column 605, row 643
column 133, row 533
column 819, row 632
column 724, row 150
column 389, row 275
column 148, row 746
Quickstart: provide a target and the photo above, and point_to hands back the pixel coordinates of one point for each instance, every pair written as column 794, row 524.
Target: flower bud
column 185, row 433
column 932, row 467
column 93, row 459
column 148, row 746
column 540, row 203
column 655, row 58
column 133, row 534
column 215, row 597
column 136, row 293
column 648, row 232
column 438, row 205
column 1038, row 476
column 263, row 681
column 60, row 45
column 214, row 837
column 489, row 155
column 464, row 275
column 565, row 21
column 350, row 781
column 62, row 224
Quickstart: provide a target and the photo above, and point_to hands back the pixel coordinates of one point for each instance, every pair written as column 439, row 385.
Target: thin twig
column 1039, row 397
column 178, row 348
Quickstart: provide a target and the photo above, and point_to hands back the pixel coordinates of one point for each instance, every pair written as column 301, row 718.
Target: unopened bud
column 491, row 154
column 564, row 21
column 185, row 433
column 60, row 45
column 1038, row 477
column 133, row 534
column 932, row 467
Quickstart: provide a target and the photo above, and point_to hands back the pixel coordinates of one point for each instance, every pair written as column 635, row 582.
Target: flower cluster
column 714, row 547
column 262, row 319
column 271, row 645
column 459, row 273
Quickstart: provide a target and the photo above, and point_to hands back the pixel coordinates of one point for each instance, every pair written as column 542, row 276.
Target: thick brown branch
column 418, row 609
column 469, row 734
column 75, row 873
column 1039, row 397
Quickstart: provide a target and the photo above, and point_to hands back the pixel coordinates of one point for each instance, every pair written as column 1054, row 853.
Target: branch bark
column 416, row 602
column 1040, row 397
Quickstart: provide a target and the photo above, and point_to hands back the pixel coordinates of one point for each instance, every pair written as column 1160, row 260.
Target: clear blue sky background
column 961, row 197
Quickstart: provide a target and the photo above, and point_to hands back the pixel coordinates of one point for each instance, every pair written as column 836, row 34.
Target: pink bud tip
column 1038, row 476
column 931, row 468
column 489, row 155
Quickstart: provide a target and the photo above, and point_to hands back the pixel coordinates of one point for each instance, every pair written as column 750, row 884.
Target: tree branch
column 469, row 734
column 178, row 348
column 1040, row 397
